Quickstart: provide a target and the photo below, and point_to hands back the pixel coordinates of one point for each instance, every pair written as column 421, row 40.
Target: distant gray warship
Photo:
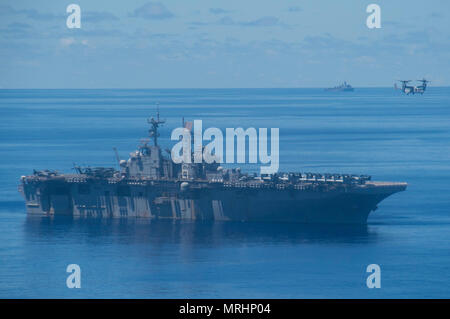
column 344, row 87
column 152, row 185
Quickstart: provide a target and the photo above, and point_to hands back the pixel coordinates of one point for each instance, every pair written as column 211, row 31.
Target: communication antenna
column 153, row 131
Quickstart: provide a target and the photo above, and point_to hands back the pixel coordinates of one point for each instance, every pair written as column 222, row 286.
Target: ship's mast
column 153, row 131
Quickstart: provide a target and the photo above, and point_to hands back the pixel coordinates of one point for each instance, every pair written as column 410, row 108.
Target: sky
column 222, row 43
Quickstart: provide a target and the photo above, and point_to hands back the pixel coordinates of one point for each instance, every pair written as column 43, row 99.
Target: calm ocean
column 370, row 131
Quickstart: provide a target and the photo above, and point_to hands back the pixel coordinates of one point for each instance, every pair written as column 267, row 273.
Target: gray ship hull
column 204, row 201
column 340, row 89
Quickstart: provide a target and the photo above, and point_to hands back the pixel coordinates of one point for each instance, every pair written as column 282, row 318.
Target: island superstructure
column 149, row 184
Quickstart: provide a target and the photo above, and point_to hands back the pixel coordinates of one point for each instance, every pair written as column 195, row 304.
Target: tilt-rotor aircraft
column 409, row 89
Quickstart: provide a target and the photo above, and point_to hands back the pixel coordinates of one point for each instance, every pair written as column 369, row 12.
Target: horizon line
column 206, row 88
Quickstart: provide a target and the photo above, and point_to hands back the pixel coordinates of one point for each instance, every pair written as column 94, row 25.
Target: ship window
column 141, row 194
column 84, row 189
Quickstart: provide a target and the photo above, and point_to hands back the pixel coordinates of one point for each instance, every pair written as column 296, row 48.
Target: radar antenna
column 153, row 131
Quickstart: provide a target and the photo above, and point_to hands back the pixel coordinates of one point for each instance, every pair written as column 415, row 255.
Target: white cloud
column 152, row 10
column 66, row 42
column 70, row 41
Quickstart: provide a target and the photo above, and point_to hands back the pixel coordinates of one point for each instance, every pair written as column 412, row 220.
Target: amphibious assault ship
column 149, row 184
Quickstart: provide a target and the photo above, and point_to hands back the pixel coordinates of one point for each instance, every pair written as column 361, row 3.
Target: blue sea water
column 370, row 131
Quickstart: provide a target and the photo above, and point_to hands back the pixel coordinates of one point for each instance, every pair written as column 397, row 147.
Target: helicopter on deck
column 409, row 89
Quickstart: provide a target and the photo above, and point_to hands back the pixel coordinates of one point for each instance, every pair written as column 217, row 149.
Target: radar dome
column 184, row 186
